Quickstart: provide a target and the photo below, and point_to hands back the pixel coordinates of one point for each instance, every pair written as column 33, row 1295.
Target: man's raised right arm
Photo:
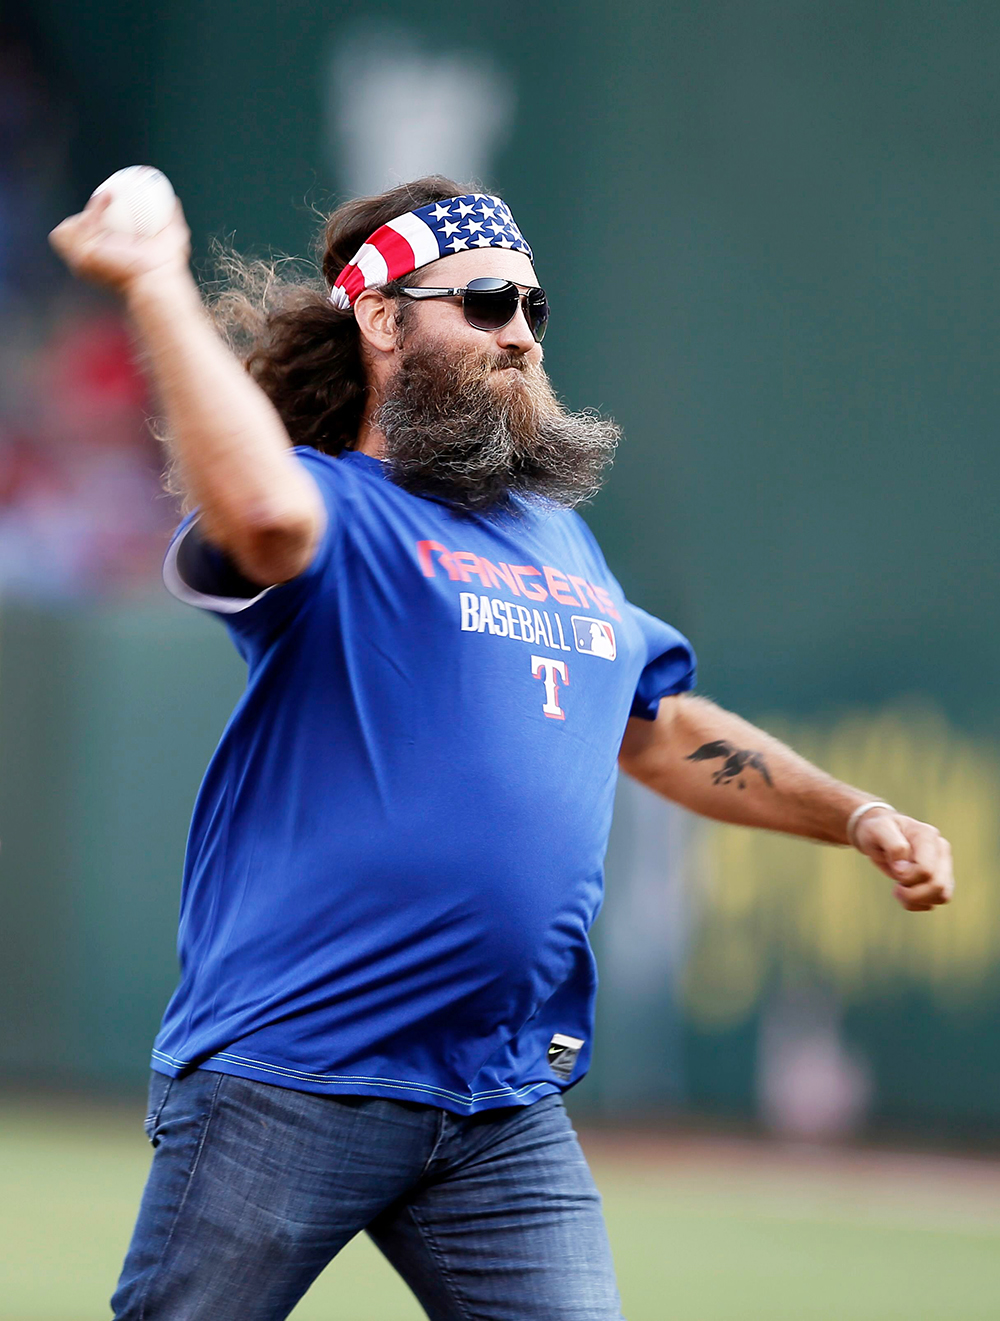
column 257, row 503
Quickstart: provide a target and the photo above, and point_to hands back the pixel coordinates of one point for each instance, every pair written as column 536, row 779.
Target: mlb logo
column 594, row 637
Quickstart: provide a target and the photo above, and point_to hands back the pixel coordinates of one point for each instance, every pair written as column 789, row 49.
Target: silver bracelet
column 858, row 813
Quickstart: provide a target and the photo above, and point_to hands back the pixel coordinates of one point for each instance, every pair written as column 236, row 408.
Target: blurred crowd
column 81, row 509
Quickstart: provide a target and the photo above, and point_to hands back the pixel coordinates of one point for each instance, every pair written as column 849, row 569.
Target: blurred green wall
column 107, row 718
column 769, row 234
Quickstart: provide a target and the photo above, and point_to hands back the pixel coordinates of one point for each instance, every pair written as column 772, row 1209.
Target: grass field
column 703, row 1230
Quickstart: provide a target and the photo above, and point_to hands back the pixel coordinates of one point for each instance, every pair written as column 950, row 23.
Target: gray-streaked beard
column 476, row 436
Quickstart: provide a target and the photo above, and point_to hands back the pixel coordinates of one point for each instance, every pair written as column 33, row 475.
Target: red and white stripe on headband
column 394, row 250
column 438, row 229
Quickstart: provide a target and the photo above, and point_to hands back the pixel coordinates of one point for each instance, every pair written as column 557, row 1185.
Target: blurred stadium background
column 769, row 232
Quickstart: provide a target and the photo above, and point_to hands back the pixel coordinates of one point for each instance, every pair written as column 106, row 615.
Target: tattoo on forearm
column 734, row 762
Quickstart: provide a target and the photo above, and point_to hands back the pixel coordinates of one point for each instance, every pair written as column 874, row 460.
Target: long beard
column 479, row 437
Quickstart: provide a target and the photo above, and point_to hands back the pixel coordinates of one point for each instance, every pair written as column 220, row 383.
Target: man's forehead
column 460, row 267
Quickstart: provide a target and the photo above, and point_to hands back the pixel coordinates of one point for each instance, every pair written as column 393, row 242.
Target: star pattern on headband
column 476, row 220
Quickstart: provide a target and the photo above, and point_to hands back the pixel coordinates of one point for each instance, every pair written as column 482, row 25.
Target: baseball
column 142, row 201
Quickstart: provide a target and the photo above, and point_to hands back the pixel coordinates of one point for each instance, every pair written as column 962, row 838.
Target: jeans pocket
column 159, row 1090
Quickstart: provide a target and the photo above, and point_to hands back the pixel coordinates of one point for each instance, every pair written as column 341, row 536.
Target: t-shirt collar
column 364, row 461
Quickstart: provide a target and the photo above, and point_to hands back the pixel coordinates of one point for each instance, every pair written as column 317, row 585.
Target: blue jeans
column 254, row 1189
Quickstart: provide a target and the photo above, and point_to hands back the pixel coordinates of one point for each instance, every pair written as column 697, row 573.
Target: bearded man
column 396, row 852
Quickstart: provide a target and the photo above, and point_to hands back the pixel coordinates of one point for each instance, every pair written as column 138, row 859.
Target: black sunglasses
column 491, row 304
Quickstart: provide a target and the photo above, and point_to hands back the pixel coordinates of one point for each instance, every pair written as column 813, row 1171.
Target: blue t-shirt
column 396, row 852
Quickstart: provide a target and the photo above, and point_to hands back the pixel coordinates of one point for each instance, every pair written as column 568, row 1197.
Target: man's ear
column 376, row 318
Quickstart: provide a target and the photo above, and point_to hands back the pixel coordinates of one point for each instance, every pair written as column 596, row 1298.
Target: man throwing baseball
column 396, row 852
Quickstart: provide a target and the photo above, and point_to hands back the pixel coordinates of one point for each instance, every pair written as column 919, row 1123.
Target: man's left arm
column 714, row 763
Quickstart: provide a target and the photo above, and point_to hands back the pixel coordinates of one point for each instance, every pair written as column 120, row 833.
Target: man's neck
column 370, row 439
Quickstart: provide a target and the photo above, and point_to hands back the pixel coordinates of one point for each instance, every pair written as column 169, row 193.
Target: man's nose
column 516, row 334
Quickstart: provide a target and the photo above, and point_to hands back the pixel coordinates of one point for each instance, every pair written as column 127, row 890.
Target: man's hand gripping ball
column 118, row 261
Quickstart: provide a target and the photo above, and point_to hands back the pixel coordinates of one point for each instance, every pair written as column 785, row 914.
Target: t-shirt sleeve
column 201, row 575
column 670, row 664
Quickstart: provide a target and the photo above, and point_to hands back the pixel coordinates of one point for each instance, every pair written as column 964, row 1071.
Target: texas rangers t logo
column 542, row 667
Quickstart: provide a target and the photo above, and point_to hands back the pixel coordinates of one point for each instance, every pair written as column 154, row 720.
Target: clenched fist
column 913, row 854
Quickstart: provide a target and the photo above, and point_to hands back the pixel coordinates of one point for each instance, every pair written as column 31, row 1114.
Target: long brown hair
column 302, row 351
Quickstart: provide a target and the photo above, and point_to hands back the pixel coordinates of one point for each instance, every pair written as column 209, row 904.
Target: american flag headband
column 475, row 220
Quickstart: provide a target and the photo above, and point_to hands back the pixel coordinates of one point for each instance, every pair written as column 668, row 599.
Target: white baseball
column 142, row 201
